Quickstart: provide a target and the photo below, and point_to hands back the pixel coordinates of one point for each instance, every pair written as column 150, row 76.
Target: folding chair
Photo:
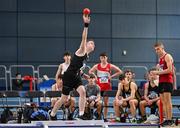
column 110, row 93
column 76, row 95
column 52, row 94
column 11, row 102
column 34, row 94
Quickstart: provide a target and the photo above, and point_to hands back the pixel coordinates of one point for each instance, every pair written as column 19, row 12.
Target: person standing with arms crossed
column 166, row 80
column 71, row 78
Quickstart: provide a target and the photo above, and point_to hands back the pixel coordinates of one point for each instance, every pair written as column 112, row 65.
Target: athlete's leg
column 82, row 99
column 142, row 106
column 116, row 108
column 133, row 103
column 168, row 104
column 106, row 103
column 58, row 104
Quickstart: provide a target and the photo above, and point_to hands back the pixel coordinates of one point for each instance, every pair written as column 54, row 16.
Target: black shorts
column 165, row 87
column 70, row 81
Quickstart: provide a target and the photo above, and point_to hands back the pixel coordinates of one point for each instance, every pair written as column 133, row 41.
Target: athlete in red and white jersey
column 103, row 79
column 166, row 79
column 103, row 76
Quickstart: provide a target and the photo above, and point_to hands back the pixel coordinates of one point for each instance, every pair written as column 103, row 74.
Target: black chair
column 52, row 94
column 34, row 94
column 176, row 94
column 111, row 93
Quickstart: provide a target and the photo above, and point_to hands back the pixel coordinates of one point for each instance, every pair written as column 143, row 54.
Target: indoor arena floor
column 80, row 124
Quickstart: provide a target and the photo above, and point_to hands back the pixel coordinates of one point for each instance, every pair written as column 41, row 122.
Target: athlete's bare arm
column 82, row 49
column 169, row 62
column 93, row 70
column 118, row 91
column 116, row 70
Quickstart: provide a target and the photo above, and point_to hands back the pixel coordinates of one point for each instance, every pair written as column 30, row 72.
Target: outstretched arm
column 82, row 49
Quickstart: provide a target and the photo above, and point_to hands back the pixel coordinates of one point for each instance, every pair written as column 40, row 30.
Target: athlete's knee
column 64, row 98
column 81, row 90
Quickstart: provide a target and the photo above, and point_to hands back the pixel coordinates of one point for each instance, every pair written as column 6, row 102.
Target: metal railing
column 4, row 76
column 52, row 69
column 41, row 67
column 17, row 68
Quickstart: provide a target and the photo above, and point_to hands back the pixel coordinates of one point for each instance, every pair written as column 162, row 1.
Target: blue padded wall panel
column 173, row 47
column 168, row 27
column 133, row 26
column 47, row 25
column 41, row 49
column 8, row 49
column 101, row 45
column 8, row 24
column 96, row 6
column 8, row 5
column 138, row 50
column 100, row 25
column 168, row 7
column 134, row 6
column 41, row 5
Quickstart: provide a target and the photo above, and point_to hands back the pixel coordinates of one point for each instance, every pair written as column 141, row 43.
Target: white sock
column 52, row 114
column 81, row 113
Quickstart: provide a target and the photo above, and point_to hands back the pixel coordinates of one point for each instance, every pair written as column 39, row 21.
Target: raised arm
column 82, row 48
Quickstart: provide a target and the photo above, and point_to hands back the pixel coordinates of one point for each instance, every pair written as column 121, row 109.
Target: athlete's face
column 91, row 81
column 90, row 46
column 67, row 58
column 103, row 59
column 129, row 75
column 159, row 50
column 152, row 76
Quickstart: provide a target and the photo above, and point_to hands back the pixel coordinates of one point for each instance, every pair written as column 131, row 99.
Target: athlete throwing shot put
column 72, row 77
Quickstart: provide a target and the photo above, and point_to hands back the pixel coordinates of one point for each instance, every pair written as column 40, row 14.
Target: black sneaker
column 105, row 120
column 52, row 117
column 82, row 117
column 70, row 116
column 165, row 123
column 171, row 123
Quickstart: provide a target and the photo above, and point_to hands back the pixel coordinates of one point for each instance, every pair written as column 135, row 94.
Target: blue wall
column 39, row 31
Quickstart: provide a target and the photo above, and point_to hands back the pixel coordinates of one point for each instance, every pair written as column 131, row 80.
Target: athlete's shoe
column 52, row 117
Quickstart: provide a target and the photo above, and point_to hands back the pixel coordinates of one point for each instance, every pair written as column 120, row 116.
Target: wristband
column 86, row 25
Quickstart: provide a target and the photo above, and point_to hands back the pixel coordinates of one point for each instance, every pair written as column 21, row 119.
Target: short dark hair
column 90, row 40
column 157, row 44
column 122, row 76
column 103, row 54
column 152, row 69
column 67, row 54
column 91, row 76
column 128, row 70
